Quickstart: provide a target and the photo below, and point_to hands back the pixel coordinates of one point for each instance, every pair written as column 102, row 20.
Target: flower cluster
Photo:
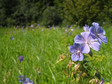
column 24, row 80
column 22, row 77
column 91, row 38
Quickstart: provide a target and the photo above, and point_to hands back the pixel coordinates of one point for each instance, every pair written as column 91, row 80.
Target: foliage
column 10, row 22
column 50, row 17
column 6, row 10
column 26, row 12
column 69, row 12
column 86, row 11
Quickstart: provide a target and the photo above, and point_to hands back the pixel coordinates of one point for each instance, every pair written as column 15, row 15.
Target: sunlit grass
column 42, row 50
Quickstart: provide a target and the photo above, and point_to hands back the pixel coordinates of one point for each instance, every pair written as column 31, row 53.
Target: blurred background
column 35, row 37
column 55, row 12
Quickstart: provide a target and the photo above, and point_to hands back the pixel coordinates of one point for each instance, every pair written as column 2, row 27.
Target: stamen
column 86, row 42
column 78, row 51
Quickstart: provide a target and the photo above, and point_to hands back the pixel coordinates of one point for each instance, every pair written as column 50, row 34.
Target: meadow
column 47, row 59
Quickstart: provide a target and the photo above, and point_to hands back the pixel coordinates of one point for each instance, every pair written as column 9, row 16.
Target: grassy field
column 46, row 56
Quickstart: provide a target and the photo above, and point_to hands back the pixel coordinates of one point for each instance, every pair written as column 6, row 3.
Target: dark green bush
column 55, row 12
column 86, row 11
column 50, row 17
column 10, row 22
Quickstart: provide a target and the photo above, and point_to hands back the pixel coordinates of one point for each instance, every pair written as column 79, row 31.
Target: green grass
column 42, row 50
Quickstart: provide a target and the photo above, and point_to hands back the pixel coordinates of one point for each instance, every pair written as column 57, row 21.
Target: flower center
column 86, row 42
column 78, row 51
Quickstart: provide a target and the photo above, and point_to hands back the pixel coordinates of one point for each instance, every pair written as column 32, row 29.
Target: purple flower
column 21, row 78
column 88, row 41
column 23, row 30
column 77, row 27
column 67, row 26
column 98, row 32
column 53, row 27
column 76, row 51
column 27, row 81
column 12, row 38
column 42, row 29
column 72, row 29
column 66, row 30
column 102, row 81
column 20, row 58
column 86, row 28
column 32, row 25
column 38, row 25
column 70, row 33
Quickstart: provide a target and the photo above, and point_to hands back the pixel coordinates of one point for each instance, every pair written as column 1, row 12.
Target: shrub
column 86, row 11
column 50, row 17
column 10, row 22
